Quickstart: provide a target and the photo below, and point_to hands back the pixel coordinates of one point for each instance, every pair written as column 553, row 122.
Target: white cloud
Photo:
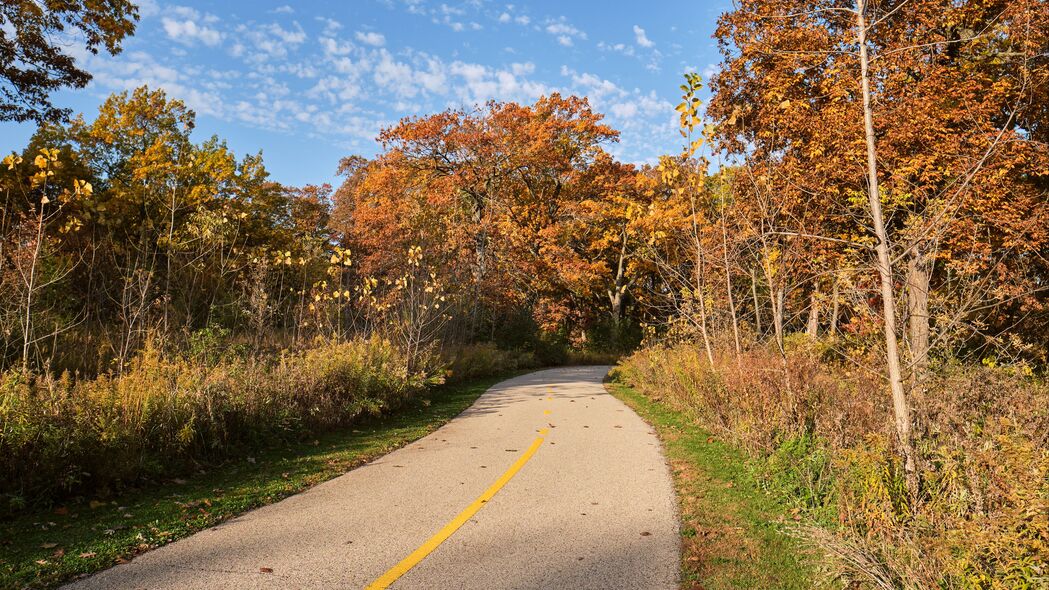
column 344, row 84
column 285, row 9
column 371, row 38
column 623, row 48
column 269, row 42
column 565, row 33
column 189, row 32
column 333, row 47
column 624, row 110
column 395, row 76
column 642, row 38
column 331, row 26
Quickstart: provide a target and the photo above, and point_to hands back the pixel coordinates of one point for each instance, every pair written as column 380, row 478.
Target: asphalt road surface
column 546, row 482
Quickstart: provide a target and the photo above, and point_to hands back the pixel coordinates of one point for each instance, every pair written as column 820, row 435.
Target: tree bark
column 901, row 410
column 812, row 327
column 834, row 309
column 778, row 299
column 728, row 286
column 918, row 276
column 757, row 302
column 701, row 295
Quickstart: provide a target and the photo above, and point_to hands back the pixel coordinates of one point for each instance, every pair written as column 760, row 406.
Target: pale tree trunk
column 918, row 276
column 167, row 273
column 812, row 327
column 621, row 284
column 27, row 327
column 728, row 286
column 834, row 308
column 757, row 302
column 701, row 286
column 892, row 353
column 777, row 297
column 701, row 295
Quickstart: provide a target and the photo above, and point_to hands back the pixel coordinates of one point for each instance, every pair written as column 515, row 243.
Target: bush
column 820, row 434
column 61, row 436
column 472, row 361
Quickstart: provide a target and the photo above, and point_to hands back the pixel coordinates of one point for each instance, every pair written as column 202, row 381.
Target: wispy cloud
column 565, row 33
column 641, row 38
column 371, row 38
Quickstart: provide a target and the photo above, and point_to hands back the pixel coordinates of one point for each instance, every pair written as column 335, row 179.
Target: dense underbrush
column 819, row 433
column 167, row 414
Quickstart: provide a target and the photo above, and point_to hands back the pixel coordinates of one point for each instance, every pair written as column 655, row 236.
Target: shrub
column 820, row 434
column 62, row 436
column 472, row 361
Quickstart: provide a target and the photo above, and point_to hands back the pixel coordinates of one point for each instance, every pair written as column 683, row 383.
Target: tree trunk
column 701, row 295
column 27, row 327
column 757, row 302
column 834, row 309
column 728, row 286
column 901, row 410
column 812, row 327
column 778, row 300
column 620, row 284
column 918, row 276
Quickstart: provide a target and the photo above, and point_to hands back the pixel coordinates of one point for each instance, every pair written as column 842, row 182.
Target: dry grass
column 820, row 436
column 168, row 413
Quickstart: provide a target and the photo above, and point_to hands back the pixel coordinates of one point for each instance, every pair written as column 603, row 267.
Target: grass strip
column 733, row 534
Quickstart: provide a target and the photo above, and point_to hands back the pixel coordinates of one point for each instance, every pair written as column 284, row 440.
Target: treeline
column 122, row 229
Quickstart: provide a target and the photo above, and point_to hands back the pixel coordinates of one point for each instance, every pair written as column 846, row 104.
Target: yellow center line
column 433, row 542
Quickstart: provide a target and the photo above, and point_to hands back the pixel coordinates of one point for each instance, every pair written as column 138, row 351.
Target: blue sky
column 310, row 82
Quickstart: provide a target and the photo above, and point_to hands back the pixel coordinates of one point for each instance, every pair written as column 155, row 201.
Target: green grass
column 733, row 534
column 44, row 549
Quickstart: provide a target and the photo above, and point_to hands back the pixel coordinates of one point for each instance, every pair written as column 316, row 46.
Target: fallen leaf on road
column 646, row 534
column 266, row 570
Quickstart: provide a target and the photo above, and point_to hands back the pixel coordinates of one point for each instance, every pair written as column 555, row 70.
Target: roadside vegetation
column 816, row 439
column 45, row 546
column 734, row 534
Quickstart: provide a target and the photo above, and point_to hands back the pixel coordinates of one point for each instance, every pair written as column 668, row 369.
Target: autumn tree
column 892, row 113
column 34, row 59
column 488, row 194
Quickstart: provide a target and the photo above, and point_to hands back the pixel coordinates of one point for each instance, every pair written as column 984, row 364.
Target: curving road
column 545, row 482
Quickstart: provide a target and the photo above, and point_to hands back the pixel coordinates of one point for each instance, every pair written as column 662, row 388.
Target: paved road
column 591, row 505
